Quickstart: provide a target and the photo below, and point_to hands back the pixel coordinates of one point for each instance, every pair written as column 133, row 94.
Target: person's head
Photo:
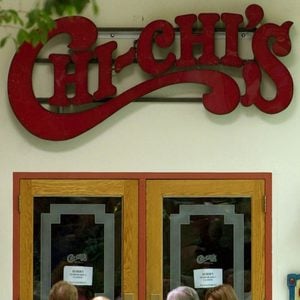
column 183, row 293
column 221, row 292
column 100, row 298
column 63, row 290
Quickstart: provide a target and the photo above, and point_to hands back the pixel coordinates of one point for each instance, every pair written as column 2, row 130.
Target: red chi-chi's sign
column 269, row 41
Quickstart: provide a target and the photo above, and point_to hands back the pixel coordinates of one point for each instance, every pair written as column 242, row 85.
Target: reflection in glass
column 78, row 231
column 207, row 233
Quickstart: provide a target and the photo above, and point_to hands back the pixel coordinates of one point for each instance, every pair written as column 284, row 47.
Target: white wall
column 170, row 137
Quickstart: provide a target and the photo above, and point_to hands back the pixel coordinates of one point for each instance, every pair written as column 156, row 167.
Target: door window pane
column 78, row 239
column 207, row 240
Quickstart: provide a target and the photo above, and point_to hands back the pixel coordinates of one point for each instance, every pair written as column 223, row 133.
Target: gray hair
column 183, row 293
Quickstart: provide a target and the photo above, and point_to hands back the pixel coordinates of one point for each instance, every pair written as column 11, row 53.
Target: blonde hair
column 221, row 292
column 183, row 293
column 62, row 290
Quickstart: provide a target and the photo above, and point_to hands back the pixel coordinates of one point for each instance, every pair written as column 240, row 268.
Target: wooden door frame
column 142, row 177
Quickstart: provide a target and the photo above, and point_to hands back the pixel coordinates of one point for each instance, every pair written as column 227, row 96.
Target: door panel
column 202, row 209
column 73, row 220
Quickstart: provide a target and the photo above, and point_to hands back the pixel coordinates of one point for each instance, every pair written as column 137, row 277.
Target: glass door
column 140, row 237
column 82, row 231
column 201, row 233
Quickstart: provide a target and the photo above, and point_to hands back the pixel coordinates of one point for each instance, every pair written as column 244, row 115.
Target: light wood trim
column 156, row 297
column 258, row 246
column 126, row 188
column 26, row 240
column 77, row 187
column 128, row 296
column 130, row 239
column 156, row 189
column 154, row 251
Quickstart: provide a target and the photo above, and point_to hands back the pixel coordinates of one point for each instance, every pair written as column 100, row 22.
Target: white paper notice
column 78, row 275
column 207, row 278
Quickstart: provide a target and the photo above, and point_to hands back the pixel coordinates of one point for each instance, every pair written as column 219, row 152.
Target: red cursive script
column 269, row 41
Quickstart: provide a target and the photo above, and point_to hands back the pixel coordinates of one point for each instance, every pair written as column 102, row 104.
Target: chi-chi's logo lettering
column 72, row 258
column 210, row 258
column 269, row 41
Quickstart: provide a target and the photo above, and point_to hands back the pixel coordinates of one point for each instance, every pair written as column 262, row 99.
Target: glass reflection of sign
column 269, row 41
